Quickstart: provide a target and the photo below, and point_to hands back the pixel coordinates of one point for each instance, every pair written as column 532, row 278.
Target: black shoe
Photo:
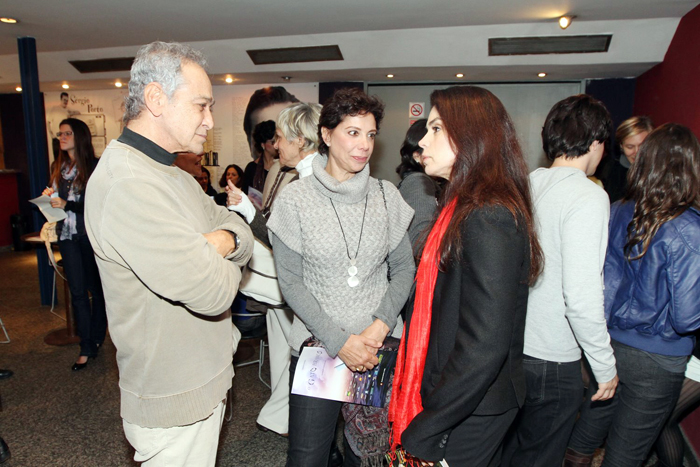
column 336, row 458
column 4, row 374
column 79, row 366
column 4, row 451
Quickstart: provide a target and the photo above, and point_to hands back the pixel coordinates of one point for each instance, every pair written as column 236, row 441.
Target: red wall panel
column 670, row 92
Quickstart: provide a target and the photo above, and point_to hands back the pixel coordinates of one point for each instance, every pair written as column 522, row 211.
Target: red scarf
column 406, row 402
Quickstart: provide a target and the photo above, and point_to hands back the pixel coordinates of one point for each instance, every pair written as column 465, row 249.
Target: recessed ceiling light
column 229, row 80
column 9, row 20
column 65, row 86
column 565, row 21
column 18, row 89
column 542, row 74
column 460, row 75
column 118, row 84
column 286, row 78
column 389, row 75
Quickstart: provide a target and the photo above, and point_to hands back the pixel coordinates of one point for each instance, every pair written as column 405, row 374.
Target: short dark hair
column 573, row 124
column 344, row 102
column 263, row 132
column 415, row 133
column 262, row 98
column 63, row 94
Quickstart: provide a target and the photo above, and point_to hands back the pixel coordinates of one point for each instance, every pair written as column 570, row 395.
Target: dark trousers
column 541, row 431
column 82, row 274
column 477, row 441
column 312, row 423
column 633, row 419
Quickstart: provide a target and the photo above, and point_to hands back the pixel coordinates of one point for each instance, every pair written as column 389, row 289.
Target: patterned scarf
column 406, row 401
column 69, row 223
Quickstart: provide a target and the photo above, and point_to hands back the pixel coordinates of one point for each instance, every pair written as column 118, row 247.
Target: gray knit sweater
column 312, row 259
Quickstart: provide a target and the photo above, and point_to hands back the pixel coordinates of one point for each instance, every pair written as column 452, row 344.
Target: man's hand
column 355, row 355
column 376, row 331
column 222, row 240
column 606, row 390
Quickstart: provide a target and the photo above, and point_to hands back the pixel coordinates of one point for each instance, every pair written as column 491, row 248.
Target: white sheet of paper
column 51, row 214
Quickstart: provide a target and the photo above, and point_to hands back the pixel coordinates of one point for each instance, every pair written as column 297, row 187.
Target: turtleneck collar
column 350, row 191
column 304, row 167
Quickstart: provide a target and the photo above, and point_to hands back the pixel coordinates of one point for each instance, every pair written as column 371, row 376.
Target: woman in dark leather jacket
column 459, row 378
column 652, row 292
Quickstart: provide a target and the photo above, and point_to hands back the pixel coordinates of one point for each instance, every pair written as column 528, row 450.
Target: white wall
column 102, row 110
column 527, row 103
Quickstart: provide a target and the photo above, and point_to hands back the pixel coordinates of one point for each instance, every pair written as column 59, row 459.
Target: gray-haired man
column 170, row 263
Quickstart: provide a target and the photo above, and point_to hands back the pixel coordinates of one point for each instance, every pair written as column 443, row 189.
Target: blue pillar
column 37, row 153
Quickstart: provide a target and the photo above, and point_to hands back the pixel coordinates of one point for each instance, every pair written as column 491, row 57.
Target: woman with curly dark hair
column 345, row 267
column 69, row 176
column 459, row 379
column 652, row 291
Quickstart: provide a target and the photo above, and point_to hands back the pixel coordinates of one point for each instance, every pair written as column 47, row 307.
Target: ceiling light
column 229, row 80
column 18, row 89
column 565, row 21
column 118, row 84
column 286, row 78
column 65, row 86
column 460, row 75
column 9, row 20
column 389, row 75
column 542, row 74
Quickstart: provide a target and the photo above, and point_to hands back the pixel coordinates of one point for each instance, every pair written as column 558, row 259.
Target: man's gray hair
column 158, row 62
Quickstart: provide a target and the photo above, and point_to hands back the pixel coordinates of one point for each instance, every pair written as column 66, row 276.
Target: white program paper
column 51, row 214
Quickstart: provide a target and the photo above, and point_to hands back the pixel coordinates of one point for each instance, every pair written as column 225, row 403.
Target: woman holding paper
column 459, row 379
column 69, row 175
column 345, row 267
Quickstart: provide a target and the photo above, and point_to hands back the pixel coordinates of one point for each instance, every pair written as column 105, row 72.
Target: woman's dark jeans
column 633, row 419
column 312, row 423
column 82, row 275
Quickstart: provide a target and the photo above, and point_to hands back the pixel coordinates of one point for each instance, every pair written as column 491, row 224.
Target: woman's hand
column 238, row 201
column 377, row 331
column 355, row 354
column 58, row 203
column 235, row 195
column 47, row 192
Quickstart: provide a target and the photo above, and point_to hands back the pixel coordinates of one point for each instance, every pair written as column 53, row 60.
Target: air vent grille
column 322, row 53
column 103, row 64
column 549, row 45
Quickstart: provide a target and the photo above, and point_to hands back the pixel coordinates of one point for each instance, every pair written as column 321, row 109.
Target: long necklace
column 353, row 281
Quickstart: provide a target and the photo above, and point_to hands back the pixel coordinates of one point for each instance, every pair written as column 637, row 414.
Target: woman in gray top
column 418, row 189
column 337, row 236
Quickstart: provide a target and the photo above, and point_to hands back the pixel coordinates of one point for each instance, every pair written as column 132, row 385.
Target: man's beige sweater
column 168, row 292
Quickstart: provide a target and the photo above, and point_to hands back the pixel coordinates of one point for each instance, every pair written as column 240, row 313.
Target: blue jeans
column 312, row 423
column 82, row 275
column 633, row 419
column 541, row 431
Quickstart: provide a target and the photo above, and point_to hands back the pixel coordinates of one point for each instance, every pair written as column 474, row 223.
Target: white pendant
column 352, row 270
column 353, row 281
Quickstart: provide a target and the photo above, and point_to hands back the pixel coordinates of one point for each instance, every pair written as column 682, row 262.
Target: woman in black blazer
column 459, row 379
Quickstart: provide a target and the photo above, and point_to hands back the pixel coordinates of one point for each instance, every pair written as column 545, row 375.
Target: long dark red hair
column 84, row 154
column 489, row 168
